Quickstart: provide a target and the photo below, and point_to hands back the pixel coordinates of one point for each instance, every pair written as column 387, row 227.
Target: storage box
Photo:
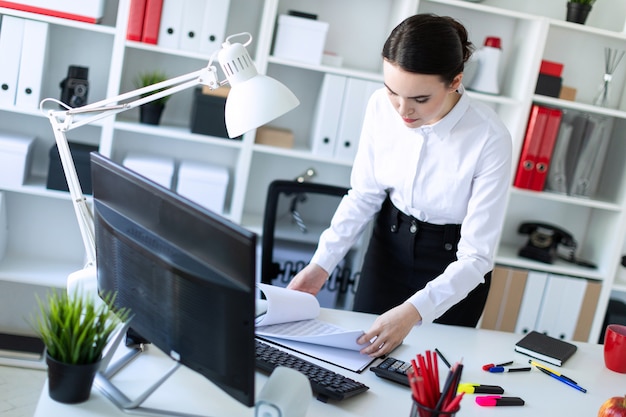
column 80, row 154
column 551, row 68
column 548, row 85
column 89, row 11
column 159, row 169
column 207, row 113
column 203, row 183
column 274, row 136
column 300, row 39
column 15, row 158
column 568, row 93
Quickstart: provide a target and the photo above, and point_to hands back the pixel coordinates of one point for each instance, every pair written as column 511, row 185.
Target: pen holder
column 420, row 410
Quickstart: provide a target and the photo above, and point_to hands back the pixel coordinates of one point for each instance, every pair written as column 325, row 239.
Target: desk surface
column 189, row 392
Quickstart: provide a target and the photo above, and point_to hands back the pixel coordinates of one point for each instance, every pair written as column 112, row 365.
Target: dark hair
column 429, row 44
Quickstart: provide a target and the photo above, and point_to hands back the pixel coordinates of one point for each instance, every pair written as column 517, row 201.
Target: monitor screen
column 186, row 273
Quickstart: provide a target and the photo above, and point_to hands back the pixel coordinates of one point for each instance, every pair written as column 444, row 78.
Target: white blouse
column 456, row 170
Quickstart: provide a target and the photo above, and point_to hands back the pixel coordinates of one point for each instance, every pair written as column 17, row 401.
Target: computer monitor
column 186, row 273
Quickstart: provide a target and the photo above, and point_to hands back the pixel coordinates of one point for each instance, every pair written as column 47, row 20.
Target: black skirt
column 403, row 255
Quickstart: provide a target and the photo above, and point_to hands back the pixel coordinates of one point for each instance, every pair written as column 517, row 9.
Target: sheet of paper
column 285, row 305
column 344, row 358
column 314, row 331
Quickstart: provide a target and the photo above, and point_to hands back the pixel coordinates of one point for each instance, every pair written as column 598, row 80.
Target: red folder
column 135, row 20
column 544, row 155
column 530, row 148
column 152, row 21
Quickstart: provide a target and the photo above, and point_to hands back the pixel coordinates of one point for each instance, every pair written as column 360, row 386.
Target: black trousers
column 403, row 255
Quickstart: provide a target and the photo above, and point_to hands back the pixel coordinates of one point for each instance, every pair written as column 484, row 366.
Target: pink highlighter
column 498, row 401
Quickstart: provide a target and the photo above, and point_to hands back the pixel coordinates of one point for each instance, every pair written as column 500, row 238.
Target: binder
column 587, row 311
column 505, row 299
column 590, row 159
column 170, row 26
column 544, row 154
column 11, row 34
column 531, row 301
column 356, row 96
column 32, row 64
column 327, row 114
column 530, row 148
column 579, row 125
column 152, row 21
column 136, row 15
column 557, row 180
column 559, row 311
column 214, row 25
column 192, row 23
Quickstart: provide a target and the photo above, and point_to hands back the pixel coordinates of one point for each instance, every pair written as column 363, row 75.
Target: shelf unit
column 42, row 243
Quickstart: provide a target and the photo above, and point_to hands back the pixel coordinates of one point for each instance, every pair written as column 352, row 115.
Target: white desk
column 189, row 392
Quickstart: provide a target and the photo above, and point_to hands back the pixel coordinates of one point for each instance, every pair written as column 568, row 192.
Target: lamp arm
column 63, row 121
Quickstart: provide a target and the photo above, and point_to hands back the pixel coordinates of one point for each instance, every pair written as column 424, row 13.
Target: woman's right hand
column 310, row 279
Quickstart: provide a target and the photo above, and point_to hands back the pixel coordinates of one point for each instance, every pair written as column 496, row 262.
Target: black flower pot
column 150, row 113
column 577, row 12
column 70, row 384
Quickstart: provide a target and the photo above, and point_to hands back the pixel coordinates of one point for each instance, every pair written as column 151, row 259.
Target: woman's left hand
column 389, row 330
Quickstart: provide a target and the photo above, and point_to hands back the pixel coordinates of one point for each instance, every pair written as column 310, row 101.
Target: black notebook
column 546, row 348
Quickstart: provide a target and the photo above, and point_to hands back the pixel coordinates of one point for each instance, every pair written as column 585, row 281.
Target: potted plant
column 578, row 10
column 75, row 331
column 150, row 113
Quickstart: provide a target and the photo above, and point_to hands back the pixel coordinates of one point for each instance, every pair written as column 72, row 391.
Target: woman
column 434, row 166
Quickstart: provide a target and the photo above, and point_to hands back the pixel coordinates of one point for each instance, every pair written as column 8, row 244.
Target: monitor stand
column 104, row 384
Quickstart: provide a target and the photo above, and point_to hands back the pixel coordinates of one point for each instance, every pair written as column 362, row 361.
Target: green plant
column 147, row 78
column 75, row 329
column 588, row 2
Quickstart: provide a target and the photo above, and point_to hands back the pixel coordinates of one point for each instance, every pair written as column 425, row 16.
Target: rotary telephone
column 546, row 242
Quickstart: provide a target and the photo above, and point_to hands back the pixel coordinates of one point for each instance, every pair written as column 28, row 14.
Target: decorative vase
column 68, row 383
column 577, row 12
column 150, row 113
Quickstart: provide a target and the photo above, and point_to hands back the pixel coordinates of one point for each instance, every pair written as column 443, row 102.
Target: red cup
column 615, row 348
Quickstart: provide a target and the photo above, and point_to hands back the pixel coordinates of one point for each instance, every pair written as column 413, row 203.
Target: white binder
column 171, row 24
column 531, row 301
column 356, row 96
column 192, row 23
column 327, row 114
column 11, row 33
column 562, row 300
column 557, row 175
column 214, row 25
column 32, row 64
column 590, row 159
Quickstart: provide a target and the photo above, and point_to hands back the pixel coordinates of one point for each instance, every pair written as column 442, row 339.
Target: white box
column 89, row 11
column 159, row 169
column 300, row 39
column 15, row 158
column 204, row 184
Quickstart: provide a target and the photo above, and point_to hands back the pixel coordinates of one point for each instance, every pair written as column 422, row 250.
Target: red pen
column 498, row 401
column 454, row 404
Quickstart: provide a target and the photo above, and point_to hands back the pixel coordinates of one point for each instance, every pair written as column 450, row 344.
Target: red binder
column 530, row 148
column 135, row 20
column 544, row 155
column 152, row 21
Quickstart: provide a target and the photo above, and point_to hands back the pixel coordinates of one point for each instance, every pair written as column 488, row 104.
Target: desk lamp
column 253, row 100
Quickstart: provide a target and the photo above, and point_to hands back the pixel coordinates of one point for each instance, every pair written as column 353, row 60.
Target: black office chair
column 296, row 213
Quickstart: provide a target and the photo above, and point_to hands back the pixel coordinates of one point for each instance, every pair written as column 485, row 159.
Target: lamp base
column 84, row 283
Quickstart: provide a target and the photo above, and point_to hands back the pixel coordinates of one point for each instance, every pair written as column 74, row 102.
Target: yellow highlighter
column 471, row 388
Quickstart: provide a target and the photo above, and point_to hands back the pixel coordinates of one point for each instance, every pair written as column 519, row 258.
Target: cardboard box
column 159, row 169
column 90, row 11
column 80, row 154
column 568, row 93
column 274, row 136
column 15, row 158
column 300, row 39
column 204, row 183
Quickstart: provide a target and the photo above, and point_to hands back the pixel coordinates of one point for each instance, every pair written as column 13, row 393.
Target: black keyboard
column 325, row 383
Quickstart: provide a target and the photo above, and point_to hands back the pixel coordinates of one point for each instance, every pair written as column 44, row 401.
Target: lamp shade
column 254, row 99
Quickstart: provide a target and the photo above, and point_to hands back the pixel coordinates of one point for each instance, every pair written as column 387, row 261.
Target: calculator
column 394, row 370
